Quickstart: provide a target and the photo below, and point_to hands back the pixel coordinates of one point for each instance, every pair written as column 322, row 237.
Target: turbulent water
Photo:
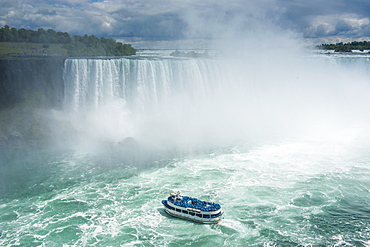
column 280, row 143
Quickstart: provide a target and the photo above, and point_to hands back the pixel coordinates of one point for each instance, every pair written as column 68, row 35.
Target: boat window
column 216, row 215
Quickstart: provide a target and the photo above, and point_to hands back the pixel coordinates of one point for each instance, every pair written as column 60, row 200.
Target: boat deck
column 190, row 202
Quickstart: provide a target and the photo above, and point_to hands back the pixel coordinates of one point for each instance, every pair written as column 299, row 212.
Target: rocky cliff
column 22, row 77
column 28, row 87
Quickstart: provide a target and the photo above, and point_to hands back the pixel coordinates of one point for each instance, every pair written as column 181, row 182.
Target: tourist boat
column 193, row 209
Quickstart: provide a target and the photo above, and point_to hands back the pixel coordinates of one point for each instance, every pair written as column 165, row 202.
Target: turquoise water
column 288, row 194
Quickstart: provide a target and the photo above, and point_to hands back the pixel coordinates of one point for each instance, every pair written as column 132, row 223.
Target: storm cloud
column 174, row 20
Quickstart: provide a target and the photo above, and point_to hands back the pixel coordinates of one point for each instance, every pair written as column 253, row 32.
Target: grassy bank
column 10, row 50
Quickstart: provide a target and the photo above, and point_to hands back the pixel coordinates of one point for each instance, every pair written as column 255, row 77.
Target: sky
column 146, row 23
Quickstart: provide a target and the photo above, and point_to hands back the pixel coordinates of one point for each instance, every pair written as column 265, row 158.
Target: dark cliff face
column 28, row 87
column 42, row 76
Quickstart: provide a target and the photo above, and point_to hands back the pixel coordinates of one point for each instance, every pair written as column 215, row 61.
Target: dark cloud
column 320, row 31
column 158, row 27
column 47, row 12
column 347, row 19
column 192, row 19
column 342, row 26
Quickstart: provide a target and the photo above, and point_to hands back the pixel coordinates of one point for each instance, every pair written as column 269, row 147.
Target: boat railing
column 190, row 202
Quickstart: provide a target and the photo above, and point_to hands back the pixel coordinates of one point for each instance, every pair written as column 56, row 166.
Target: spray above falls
column 197, row 101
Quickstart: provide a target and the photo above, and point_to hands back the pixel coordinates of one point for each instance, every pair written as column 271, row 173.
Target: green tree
column 14, row 35
column 63, row 38
column 24, row 35
column 76, row 45
column 6, row 34
column 42, row 39
column 51, row 36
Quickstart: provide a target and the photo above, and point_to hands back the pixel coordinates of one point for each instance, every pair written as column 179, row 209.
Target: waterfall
column 142, row 83
column 131, row 96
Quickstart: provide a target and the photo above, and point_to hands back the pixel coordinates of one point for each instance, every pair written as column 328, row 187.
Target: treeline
column 189, row 54
column 76, row 45
column 347, row 47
